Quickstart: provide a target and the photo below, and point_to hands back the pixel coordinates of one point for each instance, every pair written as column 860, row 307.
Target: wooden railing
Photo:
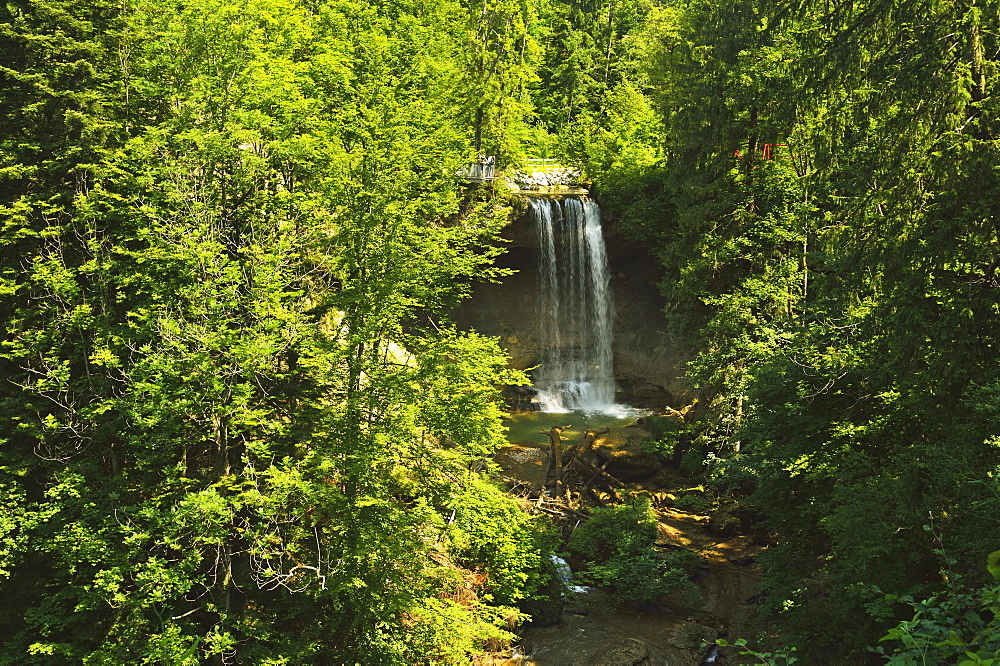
column 541, row 164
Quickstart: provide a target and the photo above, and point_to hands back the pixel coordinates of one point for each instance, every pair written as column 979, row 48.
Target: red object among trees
column 767, row 153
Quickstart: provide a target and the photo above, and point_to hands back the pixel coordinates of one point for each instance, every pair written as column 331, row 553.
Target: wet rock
column 630, row 652
column 649, row 359
column 715, row 622
column 521, row 398
column 623, row 450
column 522, row 465
column 665, row 478
column 688, row 639
column 547, row 609
column 544, row 612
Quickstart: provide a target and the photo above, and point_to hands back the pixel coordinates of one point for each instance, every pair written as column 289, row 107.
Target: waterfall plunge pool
column 574, row 380
column 525, row 428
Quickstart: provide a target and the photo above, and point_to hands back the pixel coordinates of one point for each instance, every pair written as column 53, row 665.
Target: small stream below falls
column 595, row 631
column 575, row 386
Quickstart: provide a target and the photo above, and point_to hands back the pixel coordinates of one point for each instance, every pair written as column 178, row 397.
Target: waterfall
column 565, row 575
column 575, row 305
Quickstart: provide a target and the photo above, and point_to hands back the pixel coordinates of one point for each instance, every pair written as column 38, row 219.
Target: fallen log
column 563, row 507
column 606, row 482
column 545, row 477
column 563, row 512
column 600, row 475
column 585, row 444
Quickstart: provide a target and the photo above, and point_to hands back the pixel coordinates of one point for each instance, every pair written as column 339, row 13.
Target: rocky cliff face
column 648, row 361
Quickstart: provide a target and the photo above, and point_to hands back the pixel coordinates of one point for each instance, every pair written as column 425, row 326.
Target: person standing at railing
column 490, row 163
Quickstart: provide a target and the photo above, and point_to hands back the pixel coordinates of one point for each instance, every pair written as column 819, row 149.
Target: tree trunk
column 478, row 127
column 555, row 448
column 222, row 590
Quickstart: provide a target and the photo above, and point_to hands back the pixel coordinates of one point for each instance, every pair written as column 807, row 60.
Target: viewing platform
column 536, row 176
column 478, row 172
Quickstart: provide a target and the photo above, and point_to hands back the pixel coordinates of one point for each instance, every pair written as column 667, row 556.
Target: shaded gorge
column 581, row 312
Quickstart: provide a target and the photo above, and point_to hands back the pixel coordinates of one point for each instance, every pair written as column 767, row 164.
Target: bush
column 695, row 500
column 639, row 577
column 628, row 528
column 686, row 560
column 618, row 544
column 692, row 460
column 961, row 627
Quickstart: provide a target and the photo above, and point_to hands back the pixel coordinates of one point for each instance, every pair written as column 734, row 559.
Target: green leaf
column 993, row 564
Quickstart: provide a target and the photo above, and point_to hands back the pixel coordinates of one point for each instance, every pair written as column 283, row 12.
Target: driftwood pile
column 572, row 475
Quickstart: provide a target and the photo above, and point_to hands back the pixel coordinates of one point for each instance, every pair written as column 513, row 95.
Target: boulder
column 622, row 449
column 544, row 612
column 522, row 464
column 521, row 398
column 688, row 638
column 630, row 652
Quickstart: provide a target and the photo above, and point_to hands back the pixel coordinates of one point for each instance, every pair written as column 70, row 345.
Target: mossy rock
column 630, row 652
column 625, row 451
column 688, row 639
column 547, row 609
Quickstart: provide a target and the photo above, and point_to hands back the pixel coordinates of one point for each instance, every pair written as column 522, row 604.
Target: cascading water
column 576, row 315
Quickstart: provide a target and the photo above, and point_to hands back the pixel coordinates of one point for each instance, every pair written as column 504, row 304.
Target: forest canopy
column 238, row 426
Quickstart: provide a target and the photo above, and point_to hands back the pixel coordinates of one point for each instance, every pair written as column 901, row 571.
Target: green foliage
column 639, row 577
column 239, row 423
column 839, row 289
column 961, row 626
column 625, row 528
column 239, row 420
column 993, row 564
column 694, row 500
column 779, row 658
column 617, row 543
column 490, row 530
column 692, row 460
column 587, row 53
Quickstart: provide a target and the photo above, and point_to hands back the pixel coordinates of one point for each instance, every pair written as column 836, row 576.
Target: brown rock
column 688, row 639
column 650, row 359
column 630, row 652
column 627, row 459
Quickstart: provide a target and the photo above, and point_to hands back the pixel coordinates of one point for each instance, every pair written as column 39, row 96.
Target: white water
column 566, row 575
column 576, row 311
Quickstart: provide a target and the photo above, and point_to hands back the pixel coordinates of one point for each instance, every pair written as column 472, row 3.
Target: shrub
column 628, row 528
column 695, row 500
column 618, row 544
column 960, row 627
column 639, row 577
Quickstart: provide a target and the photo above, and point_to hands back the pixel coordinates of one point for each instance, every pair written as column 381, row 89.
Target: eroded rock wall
column 648, row 360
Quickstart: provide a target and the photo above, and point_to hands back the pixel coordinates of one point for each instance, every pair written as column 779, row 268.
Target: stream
column 594, row 631
column 575, row 386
